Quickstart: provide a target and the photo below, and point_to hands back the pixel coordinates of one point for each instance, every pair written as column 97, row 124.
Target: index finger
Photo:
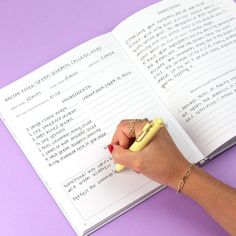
column 123, row 135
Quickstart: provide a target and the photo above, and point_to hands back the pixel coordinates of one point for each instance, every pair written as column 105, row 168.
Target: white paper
column 63, row 116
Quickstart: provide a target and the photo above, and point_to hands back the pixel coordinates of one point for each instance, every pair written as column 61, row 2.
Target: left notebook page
column 63, row 116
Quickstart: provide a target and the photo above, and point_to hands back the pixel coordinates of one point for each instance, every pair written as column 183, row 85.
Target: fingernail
column 110, row 148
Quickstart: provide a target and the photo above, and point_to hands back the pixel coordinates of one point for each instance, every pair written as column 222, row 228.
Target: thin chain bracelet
column 132, row 126
column 182, row 181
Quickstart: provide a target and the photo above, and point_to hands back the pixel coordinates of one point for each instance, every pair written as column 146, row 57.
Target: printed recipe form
column 63, row 116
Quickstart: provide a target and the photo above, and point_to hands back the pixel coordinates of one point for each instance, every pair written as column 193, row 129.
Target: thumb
column 125, row 157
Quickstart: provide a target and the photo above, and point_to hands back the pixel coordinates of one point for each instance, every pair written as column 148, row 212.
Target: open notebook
column 175, row 59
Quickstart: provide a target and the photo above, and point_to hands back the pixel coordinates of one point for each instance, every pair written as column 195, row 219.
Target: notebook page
column 63, row 116
column 187, row 52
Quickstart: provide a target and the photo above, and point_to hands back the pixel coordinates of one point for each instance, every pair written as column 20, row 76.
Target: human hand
column 160, row 160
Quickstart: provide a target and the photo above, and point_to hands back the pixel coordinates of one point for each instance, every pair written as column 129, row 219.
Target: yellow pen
column 148, row 132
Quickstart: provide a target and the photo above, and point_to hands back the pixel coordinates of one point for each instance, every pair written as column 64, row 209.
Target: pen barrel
column 140, row 145
column 142, row 142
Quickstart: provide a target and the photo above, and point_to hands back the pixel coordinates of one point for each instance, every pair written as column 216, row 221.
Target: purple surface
column 31, row 34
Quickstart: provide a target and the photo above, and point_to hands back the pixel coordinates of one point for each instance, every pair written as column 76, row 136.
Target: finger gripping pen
column 148, row 132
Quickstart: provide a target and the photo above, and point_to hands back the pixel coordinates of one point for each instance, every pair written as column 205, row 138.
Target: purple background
column 31, row 34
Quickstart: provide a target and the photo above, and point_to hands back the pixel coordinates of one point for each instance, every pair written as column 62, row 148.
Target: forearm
column 217, row 198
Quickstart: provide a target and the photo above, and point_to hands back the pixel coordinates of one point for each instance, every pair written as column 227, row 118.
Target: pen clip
column 146, row 129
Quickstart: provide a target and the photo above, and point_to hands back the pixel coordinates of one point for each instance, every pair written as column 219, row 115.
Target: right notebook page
column 186, row 51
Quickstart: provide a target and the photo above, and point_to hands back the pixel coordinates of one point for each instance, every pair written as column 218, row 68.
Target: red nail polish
column 110, row 148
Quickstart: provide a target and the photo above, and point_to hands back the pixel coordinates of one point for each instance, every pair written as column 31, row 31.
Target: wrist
column 175, row 177
column 184, row 178
column 195, row 184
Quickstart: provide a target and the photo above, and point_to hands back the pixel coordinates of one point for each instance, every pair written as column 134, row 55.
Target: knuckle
column 122, row 124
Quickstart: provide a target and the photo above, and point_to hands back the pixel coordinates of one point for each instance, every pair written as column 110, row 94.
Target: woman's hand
column 160, row 160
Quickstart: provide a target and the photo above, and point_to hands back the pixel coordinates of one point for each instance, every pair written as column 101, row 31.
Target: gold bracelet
column 182, row 181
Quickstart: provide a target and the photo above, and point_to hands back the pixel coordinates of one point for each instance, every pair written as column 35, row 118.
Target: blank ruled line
column 116, row 103
column 219, row 127
column 129, row 105
column 216, row 123
column 130, row 192
column 108, row 46
column 205, row 126
column 122, row 113
column 222, row 133
column 125, row 99
column 74, row 105
column 124, row 103
column 135, row 115
column 189, row 75
column 213, row 112
column 154, row 107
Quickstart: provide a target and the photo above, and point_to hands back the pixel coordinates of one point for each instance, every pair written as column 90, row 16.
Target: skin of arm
column 162, row 161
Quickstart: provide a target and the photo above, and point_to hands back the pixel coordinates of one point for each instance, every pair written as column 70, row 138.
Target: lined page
column 63, row 116
column 187, row 52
